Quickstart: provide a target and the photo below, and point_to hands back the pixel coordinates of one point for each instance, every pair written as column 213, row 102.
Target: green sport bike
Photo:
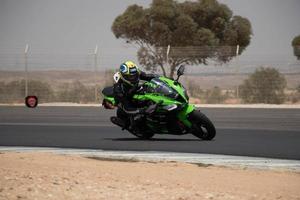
column 171, row 112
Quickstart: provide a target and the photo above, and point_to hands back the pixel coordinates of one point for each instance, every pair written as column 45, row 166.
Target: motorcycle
column 169, row 110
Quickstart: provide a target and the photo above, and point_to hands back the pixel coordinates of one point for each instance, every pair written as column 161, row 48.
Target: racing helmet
column 130, row 73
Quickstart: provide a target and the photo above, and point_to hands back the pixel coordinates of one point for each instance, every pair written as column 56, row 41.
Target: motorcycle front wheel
column 202, row 127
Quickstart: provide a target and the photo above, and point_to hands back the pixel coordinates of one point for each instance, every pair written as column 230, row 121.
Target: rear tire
column 202, row 126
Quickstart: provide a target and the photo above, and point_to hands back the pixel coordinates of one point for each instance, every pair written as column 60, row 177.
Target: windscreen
column 158, row 86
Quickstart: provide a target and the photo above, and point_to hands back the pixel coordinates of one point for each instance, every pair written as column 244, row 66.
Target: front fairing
column 168, row 88
column 176, row 95
column 177, row 87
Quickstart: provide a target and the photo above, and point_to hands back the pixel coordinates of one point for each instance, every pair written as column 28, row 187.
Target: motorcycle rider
column 127, row 84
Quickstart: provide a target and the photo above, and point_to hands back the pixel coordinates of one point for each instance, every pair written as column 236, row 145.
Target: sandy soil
column 50, row 176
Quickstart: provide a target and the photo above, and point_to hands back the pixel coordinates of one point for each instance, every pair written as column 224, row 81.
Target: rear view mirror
column 180, row 70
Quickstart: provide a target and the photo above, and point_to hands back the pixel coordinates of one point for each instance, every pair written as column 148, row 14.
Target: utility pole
column 168, row 51
column 95, row 70
column 26, row 69
column 238, row 69
column 167, row 56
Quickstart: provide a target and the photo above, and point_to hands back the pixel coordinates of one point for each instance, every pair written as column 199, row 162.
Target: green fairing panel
column 156, row 98
column 150, row 84
column 178, row 87
column 182, row 115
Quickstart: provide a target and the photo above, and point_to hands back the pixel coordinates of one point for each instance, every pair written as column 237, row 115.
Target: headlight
column 170, row 107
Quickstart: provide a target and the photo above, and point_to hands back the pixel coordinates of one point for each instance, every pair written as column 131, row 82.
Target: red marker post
column 31, row 101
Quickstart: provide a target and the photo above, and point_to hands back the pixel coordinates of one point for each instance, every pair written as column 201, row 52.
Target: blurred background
column 68, row 51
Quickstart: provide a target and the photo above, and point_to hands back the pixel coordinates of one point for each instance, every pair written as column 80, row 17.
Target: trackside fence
column 214, row 75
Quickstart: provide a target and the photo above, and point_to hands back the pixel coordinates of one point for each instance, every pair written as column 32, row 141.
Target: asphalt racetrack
column 271, row 133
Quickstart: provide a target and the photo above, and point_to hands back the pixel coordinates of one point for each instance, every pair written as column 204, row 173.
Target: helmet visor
column 132, row 78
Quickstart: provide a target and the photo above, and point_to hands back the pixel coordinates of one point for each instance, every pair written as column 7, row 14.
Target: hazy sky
column 76, row 26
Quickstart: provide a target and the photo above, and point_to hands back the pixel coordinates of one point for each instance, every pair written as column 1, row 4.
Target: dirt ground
column 51, row 176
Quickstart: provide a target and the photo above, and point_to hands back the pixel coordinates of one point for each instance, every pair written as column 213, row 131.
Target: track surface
column 273, row 133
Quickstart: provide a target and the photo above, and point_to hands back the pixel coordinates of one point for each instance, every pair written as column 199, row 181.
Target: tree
column 75, row 92
column 215, row 96
column 194, row 89
column 42, row 90
column 298, row 88
column 196, row 31
column 296, row 46
column 14, row 91
column 108, row 78
column 265, row 85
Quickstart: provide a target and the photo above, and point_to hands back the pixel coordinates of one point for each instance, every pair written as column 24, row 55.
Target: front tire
column 202, row 126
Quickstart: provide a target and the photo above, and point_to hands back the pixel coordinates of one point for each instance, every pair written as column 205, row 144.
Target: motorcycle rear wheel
column 202, row 127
